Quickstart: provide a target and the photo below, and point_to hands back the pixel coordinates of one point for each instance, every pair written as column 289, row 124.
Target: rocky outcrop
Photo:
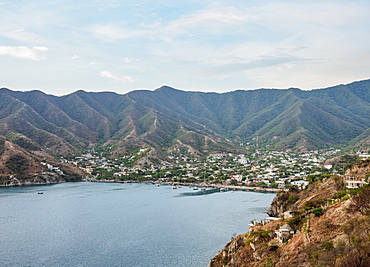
column 330, row 228
column 282, row 203
column 360, row 170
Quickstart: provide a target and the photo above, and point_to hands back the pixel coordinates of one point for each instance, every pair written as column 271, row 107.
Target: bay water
column 116, row 224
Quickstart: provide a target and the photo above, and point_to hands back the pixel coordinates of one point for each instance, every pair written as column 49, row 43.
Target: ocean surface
column 114, row 224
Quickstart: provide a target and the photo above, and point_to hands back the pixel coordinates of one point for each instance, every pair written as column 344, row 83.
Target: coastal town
column 268, row 170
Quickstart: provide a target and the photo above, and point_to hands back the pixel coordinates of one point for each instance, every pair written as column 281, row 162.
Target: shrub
column 314, row 203
column 318, row 212
column 295, row 222
column 269, row 262
column 339, row 194
column 355, row 191
column 327, row 245
column 293, row 198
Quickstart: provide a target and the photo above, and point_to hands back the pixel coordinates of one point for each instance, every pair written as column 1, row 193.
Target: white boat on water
column 195, row 188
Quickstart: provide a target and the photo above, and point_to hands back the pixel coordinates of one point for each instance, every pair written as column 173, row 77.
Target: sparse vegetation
column 2, row 146
column 361, row 201
column 329, row 231
column 26, row 144
column 17, row 164
column 260, row 235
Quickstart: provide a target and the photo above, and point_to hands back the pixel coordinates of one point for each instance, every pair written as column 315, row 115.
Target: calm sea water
column 109, row 224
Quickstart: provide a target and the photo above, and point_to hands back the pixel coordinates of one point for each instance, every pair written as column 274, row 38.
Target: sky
column 61, row 46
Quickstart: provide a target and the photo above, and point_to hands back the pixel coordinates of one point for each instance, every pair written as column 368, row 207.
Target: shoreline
column 228, row 187
column 201, row 185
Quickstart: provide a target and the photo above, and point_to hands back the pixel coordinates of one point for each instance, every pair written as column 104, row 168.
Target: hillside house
column 364, row 156
column 354, row 181
column 284, row 232
column 301, row 184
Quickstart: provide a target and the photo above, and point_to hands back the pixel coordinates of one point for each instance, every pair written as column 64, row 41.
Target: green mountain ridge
column 330, row 116
column 282, row 118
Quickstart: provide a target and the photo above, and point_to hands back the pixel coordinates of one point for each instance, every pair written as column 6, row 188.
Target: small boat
column 175, row 187
column 223, row 189
column 195, row 188
column 40, row 193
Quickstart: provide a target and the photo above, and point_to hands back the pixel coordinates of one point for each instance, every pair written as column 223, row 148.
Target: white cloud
column 75, row 57
column 112, row 32
column 294, row 18
column 130, row 59
column 108, row 74
column 24, row 52
column 210, row 21
column 127, row 59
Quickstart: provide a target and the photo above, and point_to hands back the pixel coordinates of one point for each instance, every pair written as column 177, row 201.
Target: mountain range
column 167, row 118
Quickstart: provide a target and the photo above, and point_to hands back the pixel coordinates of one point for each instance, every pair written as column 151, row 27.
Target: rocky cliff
column 326, row 224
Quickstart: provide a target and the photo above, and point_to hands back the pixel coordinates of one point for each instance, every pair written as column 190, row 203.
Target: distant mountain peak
column 167, row 88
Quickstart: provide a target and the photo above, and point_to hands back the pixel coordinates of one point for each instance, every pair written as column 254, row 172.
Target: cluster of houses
column 52, row 168
column 285, row 231
column 267, row 169
column 282, row 168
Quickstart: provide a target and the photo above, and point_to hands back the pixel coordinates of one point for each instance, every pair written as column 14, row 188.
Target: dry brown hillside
column 330, row 226
column 20, row 166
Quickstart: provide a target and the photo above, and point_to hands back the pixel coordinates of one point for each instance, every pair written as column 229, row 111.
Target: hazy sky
column 60, row 46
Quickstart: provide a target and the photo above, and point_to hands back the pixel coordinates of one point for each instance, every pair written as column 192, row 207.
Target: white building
column 300, row 183
column 354, row 182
